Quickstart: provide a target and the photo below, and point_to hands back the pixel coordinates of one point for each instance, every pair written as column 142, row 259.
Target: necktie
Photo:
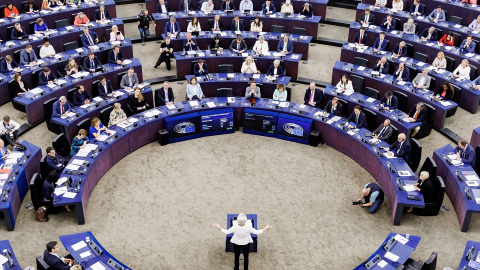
column 166, row 95
column 366, row 18
column 186, row 6
column 238, row 46
column 422, row 80
column 331, row 111
column 388, row 102
column 237, row 27
column 311, row 95
column 103, row 16
column 130, row 80
column 400, row 147
column 416, row 8
column 90, row 41
column 361, row 37
column 381, row 132
column 356, row 121
column 92, row 64
column 416, row 114
column 216, row 25
column 63, row 110
column 116, row 58
column 29, row 59
column 172, row 26
column 380, row 44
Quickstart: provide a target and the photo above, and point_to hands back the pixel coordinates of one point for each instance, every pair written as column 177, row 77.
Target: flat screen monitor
column 182, row 127
column 260, row 122
column 217, row 121
column 294, row 128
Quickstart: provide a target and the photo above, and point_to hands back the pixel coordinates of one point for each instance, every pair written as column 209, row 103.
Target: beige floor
column 154, row 209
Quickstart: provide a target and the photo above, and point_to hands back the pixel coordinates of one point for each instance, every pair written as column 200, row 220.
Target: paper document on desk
column 79, row 245
column 69, row 195
column 153, row 113
column 390, row 155
column 471, row 177
column 201, row 54
column 472, row 183
column 3, row 176
column 404, row 173
column 72, row 167
column 336, row 118
column 11, row 161
column 59, row 82
column 117, row 93
column 85, row 106
column 296, row 56
column 231, row 100
column 77, row 162
column 370, row 100
column 452, row 157
column 401, row 239
column 95, row 48
column 97, row 99
column 440, row 71
column 456, row 163
column 82, row 153
column 361, row 68
column 193, row 103
column 391, row 256
column 105, row 22
column 401, row 83
column 382, row 263
column 445, row 103
column 85, row 254
column 171, row 107
column 469, row 54
column 409, row 188
column 60, row 190
column 256, row 76
column 420, row 64
column 62, row 180
column 211, row 104
column 402, row 59
column 350, row 132
column 90, row 147
column 97, row 266
column 70, row 114
column 230, row 75
column 126, row 62
column 3, row 259
column 284, row 104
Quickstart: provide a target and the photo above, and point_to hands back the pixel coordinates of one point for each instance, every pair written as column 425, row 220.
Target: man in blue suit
column 429, row 34
column 91, row 63
column 46, row 77
column 389, row 101
column 105, row 88
column 8, row 65
column 115, row 56
column 27, row 56
column 285, row 45
column 380, row 43
column 417, row 9
column 402, row 148
column 418, row 114
column 185, row 5
column 388, row 24
column 468, row 45
column 172, row 28
column 268, row 7
column 53, row 260
column 102, row 15
column 237, row 25
column 313, row 96
column 466, row 153
column 402, row 73
column 361, row 38
column 400, row 50
column 88, row 38
column 357, row 119
column 190, row 44
column 438, row 15
column 163, row 6
column 61, row 108
column 382, row 65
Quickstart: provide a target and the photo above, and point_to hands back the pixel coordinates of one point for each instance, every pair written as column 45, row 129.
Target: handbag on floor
column 40, row 213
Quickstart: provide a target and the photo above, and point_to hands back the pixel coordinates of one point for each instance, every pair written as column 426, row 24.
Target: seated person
column 115, row 34
column 256, row 25
column 397, row 5
column 48, row 190
column 117, row 115
column 345, row 85
column 462, row 71
column 237, row 24
column 129, row 80
column 253, row 91
column 216, row 24
column 372, row 197
column 8, row 65
column 400, row 50
column 380, row 43
column 164, row 95
column 81, row 97
column 166, row 53
column 46, row 77
column 437, row 15
column 417, row 9
column 54, row 161
column 248, row 66
column 475, row 25
column 429, row 34
column 91, row 63
column 88, row 38
column 102, row 14
column 72, row 67
column 261, row 46
column 313, row 96
column 9, row 130
column 105, row 88
column 418, row 114
column 238, row 45
column 78, row 142
column 45, row 4
column 402, row 73
column 447, row 39
column 61, row 108
column 189, row 44
column 27, row 56
column 216, row 43
column 47, row 50
column 4, row 151
column 40, row 26
column 446, row 92
column 361, row 37
column 306, row 10
column 425, row 187
column 381, row 3
column 275, row 70
column 402, row 148
column 172, row 28
column 280, row 93
column 194, row 26
column 200, row 68
column 409, row 26
column 389, row 101
column 137, row 101
column 366, row 18
column 56, row 3
column 357, row 119
column 227, row 5
column 468, row 45
column 466, row 153
column 422, row 80
column 53, row 260
column 19, row 87
column 246, row 5
column 285, row 45
column 472, row 2
column 18, row 32
column 194, row 90
column 207, row 6
column 10, row 11
column 382, row 65
column 81, row 19
column 97, row 129
column 30, row 7
column 388, row 24
column 384, row 131
column 287, row 7
column 440, row 61
column 268, row 8
column 163, row 6
column 73, row 2
column 476, row 83
column 333, row 107
column 115, row 56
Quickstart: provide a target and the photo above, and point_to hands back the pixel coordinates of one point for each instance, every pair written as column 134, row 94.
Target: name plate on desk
column 118, row 67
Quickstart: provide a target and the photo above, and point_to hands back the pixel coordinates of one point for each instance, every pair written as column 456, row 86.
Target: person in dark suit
column 91, row 63
column 164, row 95
column 88, row 38
column 18, row 33
column 227, row 5
column 402, row 73
column 105, row 88
column 384, row 131
column 216, row 43
column 19, row 87
column 400, row 50
column 53, row 260
column 28, row 56
column 446, row 92
column 185, row 5
column 54, row 161
column 357, row 118
column 136, row 102
column 402, row 148
column 466, row 153
column 237, row 25
column 200, row 68
column 388, row 24
column 361, row 37
column 163, row 6
column 418, row 114
column 313, row 96
column 171, row 27
column 81, row 97
column 425, row 186
column 389, row 101
column 216, row 24
column 238, row 45
column 8, row 65
column 102, row 15
column 115, row 56
column 333, row 107
column 190, row 44
column 268, row 7
column 46, row 77
column 366, row 18
column 468, row 45
column 429, row 34
column 382, row 65
column 276, row 69
column 380, row 43
column 417, row 9
column 285, row 45
column 61, row 107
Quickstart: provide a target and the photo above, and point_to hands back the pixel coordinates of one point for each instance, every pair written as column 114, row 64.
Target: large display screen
column 260, row 121
column 217, row 121
column 294, row 127
column 182, row 127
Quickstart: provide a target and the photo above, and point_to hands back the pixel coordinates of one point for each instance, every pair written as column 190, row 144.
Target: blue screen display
column 217, row 121
column 260, row 122
column 294, row 128
column 182, row 126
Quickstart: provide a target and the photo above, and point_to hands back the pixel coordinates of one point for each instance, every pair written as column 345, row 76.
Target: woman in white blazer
column 261, row 46
column 345, row 85
column 462, row 71
column 194, row 26
column 241, row 238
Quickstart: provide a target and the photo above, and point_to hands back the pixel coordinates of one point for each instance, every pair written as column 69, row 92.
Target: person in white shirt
column 249, row 66
column 256, row 25
column 246, row 5
column 397, row 4
column 241, row 238
column 261, row 46
column 116, row 35
column 345, row 85
column 207, row 6
column 287, row 7
column 462, row 71
column 9, row 130
column 47, row 50
column 194, row 26
column 380, row 3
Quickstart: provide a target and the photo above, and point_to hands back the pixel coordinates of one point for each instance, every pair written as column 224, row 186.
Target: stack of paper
column 211, row 104
column 401, row 239
column 62, row 180
column 193, row 103
column 69, row 195
column 79, row 245
column 60, row 190
column 70, row 114
column 391, row 256
column 404, row 173
column 151, row 113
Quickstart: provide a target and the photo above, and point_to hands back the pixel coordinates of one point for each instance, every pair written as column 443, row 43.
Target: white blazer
column 348, row 87
column 263, row 47
column 464, row 73
column 191, row 29
column 241, row 234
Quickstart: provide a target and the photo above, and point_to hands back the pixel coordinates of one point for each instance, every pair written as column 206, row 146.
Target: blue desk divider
column 294, row 128
column 215, row 122
column 183, row 127
column 260, row 122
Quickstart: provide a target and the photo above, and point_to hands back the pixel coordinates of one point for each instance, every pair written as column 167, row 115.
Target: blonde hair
column 241, row 219
column 117, row 105
column 425, row 175
column 82, row 132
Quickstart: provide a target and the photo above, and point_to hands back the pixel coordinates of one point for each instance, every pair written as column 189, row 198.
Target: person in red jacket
column 10, row 11
column 447, row 39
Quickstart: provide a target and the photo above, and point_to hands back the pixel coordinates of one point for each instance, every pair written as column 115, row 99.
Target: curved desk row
column 354, row 99
column 87, row 251
column 102, row 156
column 34, row 103
column 395, row 244
column 94, row 109
column 319, row 7
column 300, row 43
column 475, row 140
column 461, row 188
column 238, row 83
column 310, row 24
column 6, row 251
column 16, row 185
column 184, row 62
column 385, row 84
column 470, row 256
column 469, row 98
